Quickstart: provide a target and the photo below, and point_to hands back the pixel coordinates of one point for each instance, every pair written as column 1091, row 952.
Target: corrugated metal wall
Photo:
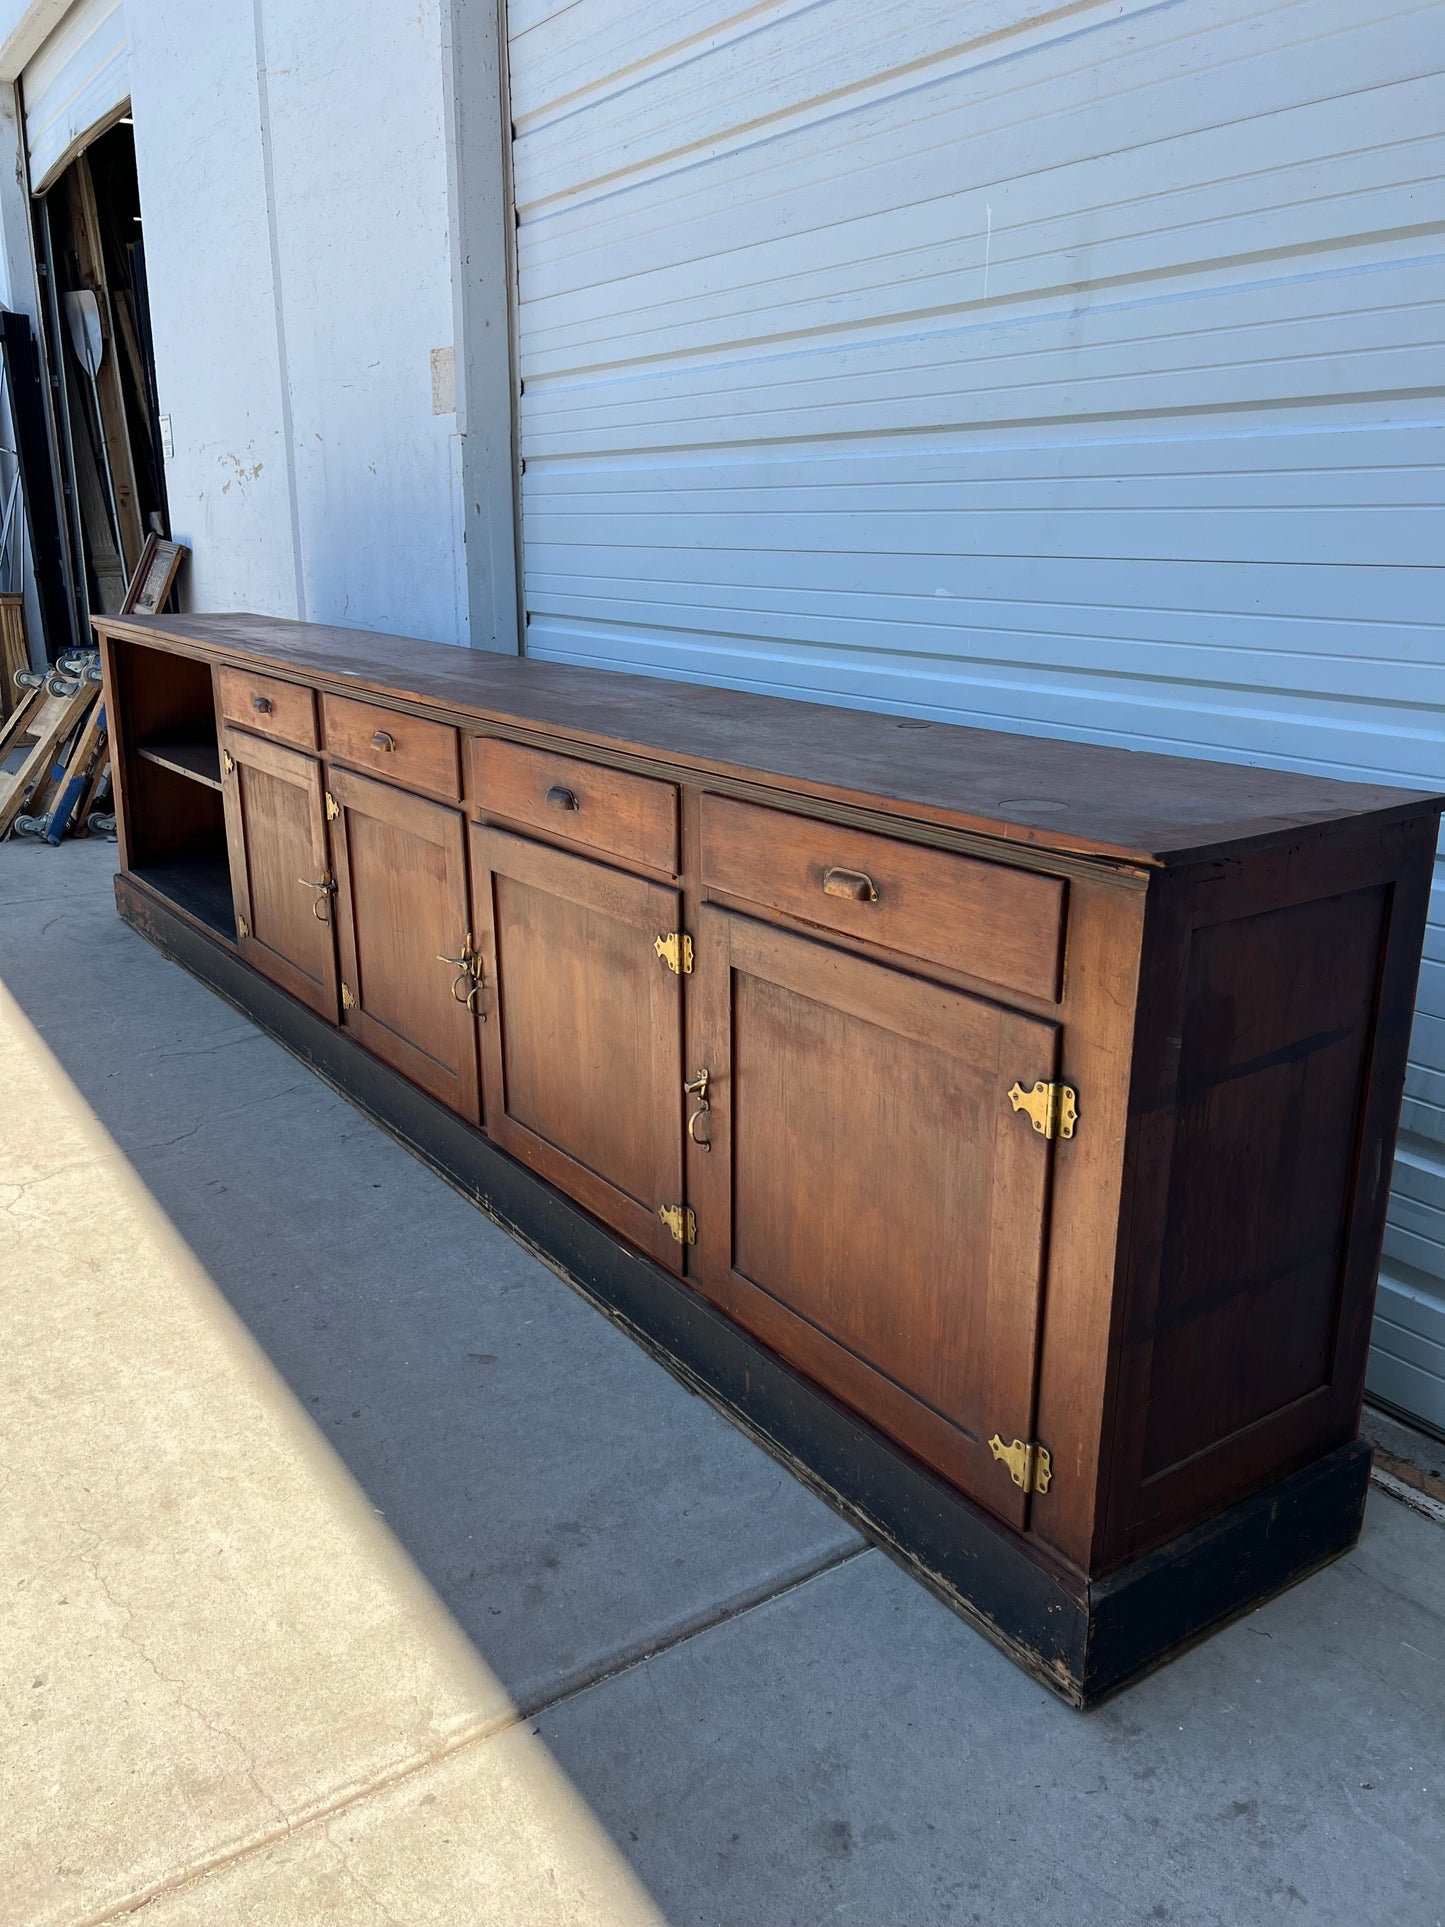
column 1064, row 368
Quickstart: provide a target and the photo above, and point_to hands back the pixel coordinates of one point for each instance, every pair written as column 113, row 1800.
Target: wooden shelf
column 198, row 884
column 199, row 759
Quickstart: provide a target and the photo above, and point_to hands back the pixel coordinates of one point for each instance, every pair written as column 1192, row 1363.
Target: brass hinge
column 243, row 928
column 676, row 952
column 348, row 1002
column 680, row 1222
column 228, row 762
column 1029, row 1465
column 333, row 808
column 1053, row 1109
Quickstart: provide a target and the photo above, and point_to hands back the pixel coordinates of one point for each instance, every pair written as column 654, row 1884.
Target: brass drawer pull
column 852, row 884
column 262, row 705
column 381, row 740
column 562, row 799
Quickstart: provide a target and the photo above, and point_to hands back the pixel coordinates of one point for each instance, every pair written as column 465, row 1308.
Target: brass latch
column 1053, row 1109
column 676, row 952
column 1029, row 1466
column 680, row 1222
column 468, row 966
column 697, row 1087
column 325, row 888
column 243, row 929
column 348, row 1002
column 333, row 808
column 228, row 762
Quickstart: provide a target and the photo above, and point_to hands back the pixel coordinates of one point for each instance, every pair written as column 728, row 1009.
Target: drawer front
column 406, row 750
column 983, row 919
column 633, row 817
column 283, row 710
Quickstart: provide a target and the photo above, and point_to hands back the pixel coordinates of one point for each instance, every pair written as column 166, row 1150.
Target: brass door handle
column 325, row 890
column 855, row 885
column 381, row 740
column 562, row 799
column 262, row 705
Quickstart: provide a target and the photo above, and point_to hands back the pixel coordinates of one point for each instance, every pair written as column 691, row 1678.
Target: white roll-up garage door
column 1062, row 368
column 78, row 81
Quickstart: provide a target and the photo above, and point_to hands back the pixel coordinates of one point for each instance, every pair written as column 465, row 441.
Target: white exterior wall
column 296, row 177
column 293, row 181
column 1068, row 369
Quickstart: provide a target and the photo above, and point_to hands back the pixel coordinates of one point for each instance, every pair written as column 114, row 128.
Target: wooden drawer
column 1005, row 926
column 634, row 817
column 284, row 710
column 404, row 749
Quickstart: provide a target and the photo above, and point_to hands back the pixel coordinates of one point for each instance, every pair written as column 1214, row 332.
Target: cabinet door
column 871, row 1206
column 583, row 1060
column 402, row 913
column 276, row 836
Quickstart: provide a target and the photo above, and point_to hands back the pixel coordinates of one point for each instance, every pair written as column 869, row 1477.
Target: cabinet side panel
column 1274, row 1059
column 1276, row 1004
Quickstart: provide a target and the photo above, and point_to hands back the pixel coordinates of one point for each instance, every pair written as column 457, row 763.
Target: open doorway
column 91, row 250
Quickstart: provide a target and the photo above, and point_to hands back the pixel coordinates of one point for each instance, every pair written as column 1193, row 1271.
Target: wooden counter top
column 1080, row 798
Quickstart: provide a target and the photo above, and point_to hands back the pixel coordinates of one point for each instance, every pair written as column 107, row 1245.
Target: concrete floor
column 356, row 1571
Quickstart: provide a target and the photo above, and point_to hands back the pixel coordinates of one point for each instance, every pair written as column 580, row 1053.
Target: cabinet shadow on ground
column 571, row 1504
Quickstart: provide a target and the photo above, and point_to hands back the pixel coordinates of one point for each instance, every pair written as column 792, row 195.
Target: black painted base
column 1082, row 1638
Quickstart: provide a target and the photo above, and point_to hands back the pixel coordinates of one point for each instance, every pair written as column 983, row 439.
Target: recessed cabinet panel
column 276, row 836
column 403, row 923
column 583, row 1059
column 871, row 1205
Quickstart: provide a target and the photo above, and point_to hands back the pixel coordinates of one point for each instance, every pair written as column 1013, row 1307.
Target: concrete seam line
column 535, row 1711
column 475, row 1735
column 1409, row 1495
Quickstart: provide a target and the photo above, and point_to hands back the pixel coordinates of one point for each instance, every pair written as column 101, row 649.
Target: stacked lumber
column 53, row 751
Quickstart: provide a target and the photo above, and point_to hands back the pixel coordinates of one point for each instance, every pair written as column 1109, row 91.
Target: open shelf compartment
column 176, row 823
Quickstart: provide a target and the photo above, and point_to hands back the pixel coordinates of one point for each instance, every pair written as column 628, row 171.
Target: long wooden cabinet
column 999, row 1129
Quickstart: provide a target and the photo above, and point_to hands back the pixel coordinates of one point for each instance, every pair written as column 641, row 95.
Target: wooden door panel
column 402, row 900
column 584, row 1059
column 871, row 1204
column 276, row 837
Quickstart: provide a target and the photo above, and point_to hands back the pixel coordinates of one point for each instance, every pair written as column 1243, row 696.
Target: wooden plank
column 54, row 724
column 90, row 257
column 20, row 719
column 82, row 815
column 89, row 743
